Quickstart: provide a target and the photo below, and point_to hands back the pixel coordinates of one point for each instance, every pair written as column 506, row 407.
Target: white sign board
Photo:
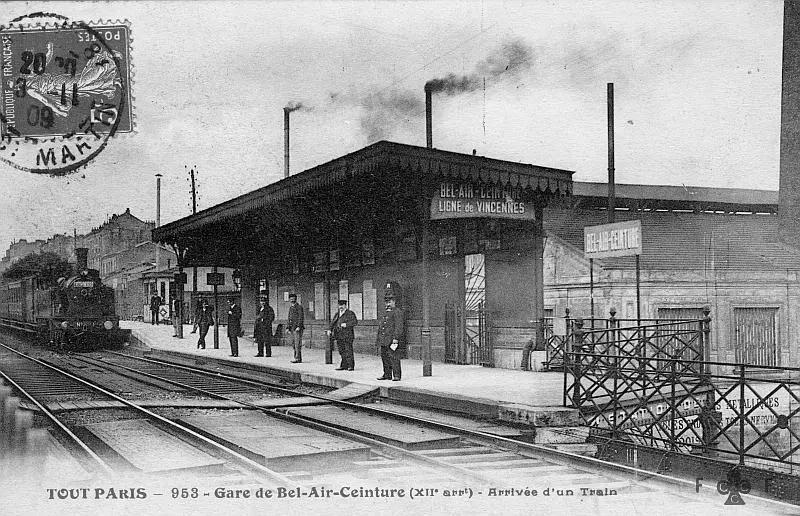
column 612, row 240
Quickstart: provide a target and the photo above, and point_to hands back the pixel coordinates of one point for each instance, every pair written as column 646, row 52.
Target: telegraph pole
column 194, row 268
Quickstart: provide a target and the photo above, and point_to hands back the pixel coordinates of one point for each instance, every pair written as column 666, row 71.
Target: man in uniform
column 176, row 314
column 342, row 330
column 295, row 327
column 234, row 326
column 155, row 306
column 263, row 328
column 391, row 337
column 205, row 321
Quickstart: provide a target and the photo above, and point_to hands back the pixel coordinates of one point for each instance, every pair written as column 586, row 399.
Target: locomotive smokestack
column 286, row 112
column 428, row 117
column 82, row 258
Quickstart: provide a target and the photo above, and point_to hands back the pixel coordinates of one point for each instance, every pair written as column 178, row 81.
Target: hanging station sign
column 463, row 199
column 215, row 278
column 613, row 240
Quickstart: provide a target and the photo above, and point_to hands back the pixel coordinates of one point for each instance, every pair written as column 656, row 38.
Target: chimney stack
column 789, row 185
column 158, row 218
column 428, row 117
column 82, row 258
column 286, row 112
column 158, row 200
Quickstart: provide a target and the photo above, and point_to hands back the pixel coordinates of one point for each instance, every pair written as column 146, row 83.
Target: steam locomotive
column 77, row 315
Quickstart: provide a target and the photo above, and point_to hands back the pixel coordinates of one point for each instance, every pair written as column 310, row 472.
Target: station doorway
column 467, row 332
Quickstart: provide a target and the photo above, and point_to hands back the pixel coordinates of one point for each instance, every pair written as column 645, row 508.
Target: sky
column 697, row 95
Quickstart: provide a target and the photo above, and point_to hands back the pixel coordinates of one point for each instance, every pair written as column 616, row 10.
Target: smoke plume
column 384, row 110
column 513, row 57
column 294, row 106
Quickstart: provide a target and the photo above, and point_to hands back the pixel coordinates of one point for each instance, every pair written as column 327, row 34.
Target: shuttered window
column 755, row 336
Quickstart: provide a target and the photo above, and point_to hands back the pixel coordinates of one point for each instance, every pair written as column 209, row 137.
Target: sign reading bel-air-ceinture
column 462, row 199
column 612, row 240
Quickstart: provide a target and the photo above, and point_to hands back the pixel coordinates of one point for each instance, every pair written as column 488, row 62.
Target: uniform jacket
column 263, row 327
column 348, row 318
column 234, row 320
column 392, row 327
column 155, row 303
column 295, row 319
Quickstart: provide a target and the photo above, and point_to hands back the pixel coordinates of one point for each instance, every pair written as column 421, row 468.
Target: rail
column 253, row 465
column 635, row 475
column 560, row 337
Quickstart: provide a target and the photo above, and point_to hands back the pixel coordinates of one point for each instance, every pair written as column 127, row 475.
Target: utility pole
column 193, row 308
column 194, row 189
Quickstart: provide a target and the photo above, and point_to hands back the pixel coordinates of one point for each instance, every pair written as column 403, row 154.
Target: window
column 755, row 336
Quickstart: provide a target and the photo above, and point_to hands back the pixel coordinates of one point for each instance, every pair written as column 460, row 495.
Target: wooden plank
column 150, row 449
column 385, row 429
column 274, row 442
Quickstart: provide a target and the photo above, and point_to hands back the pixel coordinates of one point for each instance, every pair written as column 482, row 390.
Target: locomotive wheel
column 58, row 339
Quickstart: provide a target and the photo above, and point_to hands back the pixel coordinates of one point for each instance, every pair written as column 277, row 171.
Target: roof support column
column 216, row 309
column 427, row 366
column 538, row 274
column 180, row 253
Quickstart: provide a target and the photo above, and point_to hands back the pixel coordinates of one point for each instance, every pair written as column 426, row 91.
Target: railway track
column 391, row 446
column 34, row 376
column 480, row 457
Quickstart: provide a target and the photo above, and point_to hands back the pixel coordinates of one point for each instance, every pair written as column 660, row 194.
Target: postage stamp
column 65, row 90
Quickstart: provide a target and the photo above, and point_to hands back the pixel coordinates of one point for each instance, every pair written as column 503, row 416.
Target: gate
column 466, row 329
column 466, row 336
column 755, row 338
column 676, row 340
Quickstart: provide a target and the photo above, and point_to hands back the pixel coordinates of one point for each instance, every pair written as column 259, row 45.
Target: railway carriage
column 76, row 314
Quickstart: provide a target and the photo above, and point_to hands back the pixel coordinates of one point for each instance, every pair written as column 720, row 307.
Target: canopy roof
column 382, row 180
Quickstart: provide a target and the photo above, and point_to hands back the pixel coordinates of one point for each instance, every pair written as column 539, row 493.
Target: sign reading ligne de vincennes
column 611, row 240
column 457, row 199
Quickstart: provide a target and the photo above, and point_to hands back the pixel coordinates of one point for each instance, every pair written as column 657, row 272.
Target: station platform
column 533, row 398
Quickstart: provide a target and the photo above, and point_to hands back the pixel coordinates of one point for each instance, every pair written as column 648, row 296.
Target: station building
column 392, row 212
column 461, row 234
column 701, row 247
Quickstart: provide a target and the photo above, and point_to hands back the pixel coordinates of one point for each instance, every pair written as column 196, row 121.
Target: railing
column 648, row 386
column 602, row 329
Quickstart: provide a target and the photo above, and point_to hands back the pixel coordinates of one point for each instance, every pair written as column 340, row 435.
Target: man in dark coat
column 234, row 325
column 155, row 306
column 176, row 315
column 295, row 327
column 391, row 339
column 198, row 312
column 205, row 320
column 342, row 331
column 263, row 328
